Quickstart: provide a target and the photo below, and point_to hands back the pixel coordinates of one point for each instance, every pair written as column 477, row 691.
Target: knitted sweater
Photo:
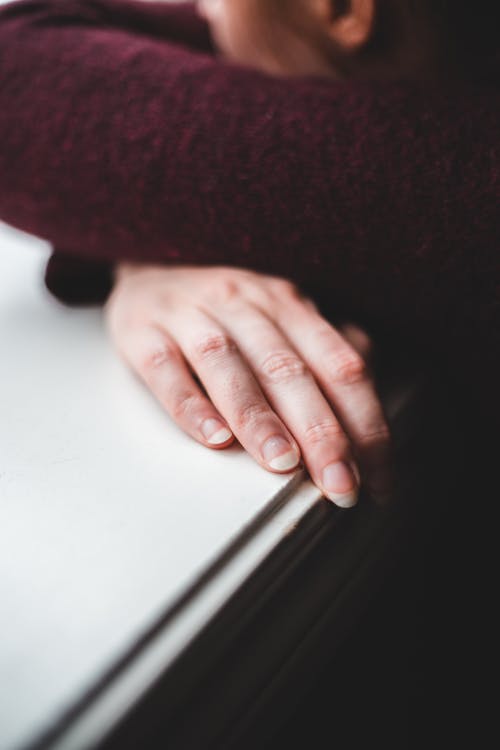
column 123, row 136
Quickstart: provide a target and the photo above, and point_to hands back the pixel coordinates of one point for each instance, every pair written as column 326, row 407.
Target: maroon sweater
column 123, row 136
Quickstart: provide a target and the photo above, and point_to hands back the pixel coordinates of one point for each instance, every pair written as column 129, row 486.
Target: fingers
column 156, row 358
column 233, row 389
column 292, row 391
column 344, row 378
column 275, row 373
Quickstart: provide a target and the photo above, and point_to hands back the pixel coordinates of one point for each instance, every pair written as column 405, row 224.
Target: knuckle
column 250, row 413
column 158, row 357
column 319, row 432
column 282, row 366
column 227, row 290
column 322, row 332
column 184, row 403
column 214, row 345
column 323, row 336
column 378, row 437
column 348, row 368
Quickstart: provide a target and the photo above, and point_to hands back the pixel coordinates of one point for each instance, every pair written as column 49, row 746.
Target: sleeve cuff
column 78, row 282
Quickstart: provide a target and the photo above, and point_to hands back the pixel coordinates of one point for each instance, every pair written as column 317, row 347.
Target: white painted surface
column 107, row 511
column 124, row 693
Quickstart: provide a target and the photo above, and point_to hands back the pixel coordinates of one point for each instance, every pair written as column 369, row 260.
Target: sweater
column 123, row 136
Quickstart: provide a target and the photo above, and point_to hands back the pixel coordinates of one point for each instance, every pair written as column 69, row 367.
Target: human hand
column 275, row 374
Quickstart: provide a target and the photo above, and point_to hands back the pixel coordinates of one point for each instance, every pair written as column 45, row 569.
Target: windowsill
column 122, row 540
column 110, row 512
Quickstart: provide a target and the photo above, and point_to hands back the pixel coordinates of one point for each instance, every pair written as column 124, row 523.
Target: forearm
column 173, row 21
column 121, row 145
column 85, row 110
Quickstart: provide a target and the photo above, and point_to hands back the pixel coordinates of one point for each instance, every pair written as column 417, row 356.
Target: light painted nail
column 339, row 485
column 279, row 454
column 214, row 432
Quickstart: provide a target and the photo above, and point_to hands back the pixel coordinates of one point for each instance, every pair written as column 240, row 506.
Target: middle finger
column 229, row 382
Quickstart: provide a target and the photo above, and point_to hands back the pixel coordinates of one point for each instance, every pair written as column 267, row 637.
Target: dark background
column 417, row 672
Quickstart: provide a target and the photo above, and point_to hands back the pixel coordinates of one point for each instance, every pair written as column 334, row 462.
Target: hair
column 455, row 35
column 421, row 37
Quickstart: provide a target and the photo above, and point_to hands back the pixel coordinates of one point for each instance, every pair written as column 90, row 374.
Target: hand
column 274, row 372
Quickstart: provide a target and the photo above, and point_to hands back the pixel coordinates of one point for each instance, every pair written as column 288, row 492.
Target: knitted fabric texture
column 124, row 136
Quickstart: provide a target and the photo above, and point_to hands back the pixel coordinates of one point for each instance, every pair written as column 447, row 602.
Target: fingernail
column 279, row 454
column 340, row 485
column 215, row 432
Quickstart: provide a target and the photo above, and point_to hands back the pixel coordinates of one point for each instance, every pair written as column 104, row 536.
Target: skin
column 231, row 353
column 247, row 32
column 288, row 37
column 275, row 374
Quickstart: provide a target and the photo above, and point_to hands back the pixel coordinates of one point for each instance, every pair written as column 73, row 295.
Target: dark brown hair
column 425, row 38
column 445, row 36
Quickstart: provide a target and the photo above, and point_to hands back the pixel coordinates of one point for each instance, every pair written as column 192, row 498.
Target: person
column 277, row 162
column 308, row 143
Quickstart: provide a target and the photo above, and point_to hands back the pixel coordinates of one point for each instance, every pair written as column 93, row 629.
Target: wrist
column 122, row 270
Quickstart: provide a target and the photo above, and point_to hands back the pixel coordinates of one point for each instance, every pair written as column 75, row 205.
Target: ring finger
column 346, row 381
column 294, row 394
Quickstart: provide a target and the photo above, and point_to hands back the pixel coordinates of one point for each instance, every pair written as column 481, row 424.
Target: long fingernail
column 279, row 454
column 214, row 432
column 340, row 485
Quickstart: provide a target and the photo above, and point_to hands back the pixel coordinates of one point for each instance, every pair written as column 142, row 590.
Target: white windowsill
column 108, row 512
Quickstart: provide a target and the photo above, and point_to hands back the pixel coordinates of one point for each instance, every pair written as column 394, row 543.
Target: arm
column 275, row 373
column 173, row 21
column 148, row 151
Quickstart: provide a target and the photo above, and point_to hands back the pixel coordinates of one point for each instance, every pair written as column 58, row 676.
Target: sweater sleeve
column 123, row 137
